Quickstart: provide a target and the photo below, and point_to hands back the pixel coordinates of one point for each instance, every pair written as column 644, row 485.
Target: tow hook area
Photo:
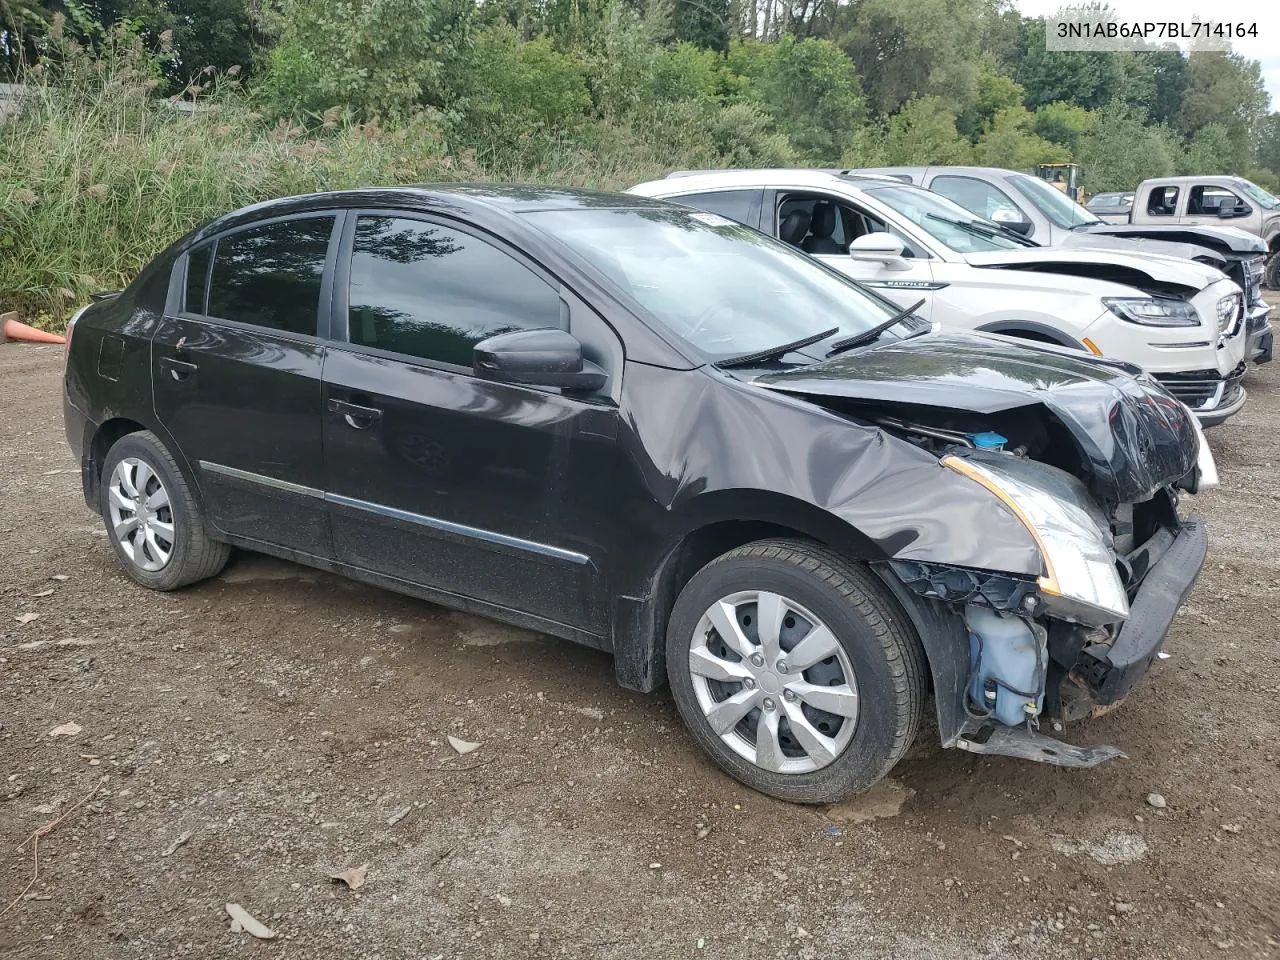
column 1028, row 745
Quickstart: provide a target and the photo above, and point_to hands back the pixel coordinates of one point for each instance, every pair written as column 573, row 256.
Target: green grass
column 98, row 174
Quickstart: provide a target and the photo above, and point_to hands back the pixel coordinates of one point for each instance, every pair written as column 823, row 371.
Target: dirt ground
column 249, row 736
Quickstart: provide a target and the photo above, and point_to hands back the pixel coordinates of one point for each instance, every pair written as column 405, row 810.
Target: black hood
column 1131, row 435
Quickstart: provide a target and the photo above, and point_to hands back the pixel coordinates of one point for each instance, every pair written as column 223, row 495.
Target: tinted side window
column 197, row 278
column 431, row 292
column 270, row 275
column 976, row 196
column 734, row 204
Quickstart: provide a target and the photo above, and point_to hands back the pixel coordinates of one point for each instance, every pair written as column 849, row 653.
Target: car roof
column 458, row 198
column 956, row 169
column 1206, row 178
column 690, row 181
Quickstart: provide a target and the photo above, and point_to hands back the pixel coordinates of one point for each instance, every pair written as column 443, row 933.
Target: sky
column 1265, row 13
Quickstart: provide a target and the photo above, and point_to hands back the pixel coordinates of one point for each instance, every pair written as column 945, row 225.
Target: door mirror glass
column 541, row 358
column 1231, row 209
column 1012, row 219
column 882, row 248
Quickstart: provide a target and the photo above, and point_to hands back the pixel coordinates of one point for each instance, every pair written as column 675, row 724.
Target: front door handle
column 178, row 369
column 356, row 416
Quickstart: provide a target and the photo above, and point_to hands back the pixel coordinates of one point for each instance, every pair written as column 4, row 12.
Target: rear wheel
column 796, row 670
column 153, row 520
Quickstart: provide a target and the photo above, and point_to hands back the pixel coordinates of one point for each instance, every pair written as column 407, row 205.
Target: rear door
column 434, row 476
column 236, row 377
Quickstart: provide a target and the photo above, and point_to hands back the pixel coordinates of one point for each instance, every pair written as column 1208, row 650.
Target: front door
column 236, row 379
column 831, row 224
column 1204, row 200
column 434, row 476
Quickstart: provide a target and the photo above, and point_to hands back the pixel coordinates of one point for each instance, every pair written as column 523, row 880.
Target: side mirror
column 540, row 358
column 882, row 248
column 1011, row 219
column 1228, row 211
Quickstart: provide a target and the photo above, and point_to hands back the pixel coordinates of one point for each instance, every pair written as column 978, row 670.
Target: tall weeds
column 98, row 173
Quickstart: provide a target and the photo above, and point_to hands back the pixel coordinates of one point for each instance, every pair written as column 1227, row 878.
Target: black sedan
column 648, row 429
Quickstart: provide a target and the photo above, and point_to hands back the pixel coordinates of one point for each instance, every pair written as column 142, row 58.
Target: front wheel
column 796, row 670
column 1271, row 273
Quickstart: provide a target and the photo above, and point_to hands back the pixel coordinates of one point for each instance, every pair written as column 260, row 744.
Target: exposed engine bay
column 1090, row 458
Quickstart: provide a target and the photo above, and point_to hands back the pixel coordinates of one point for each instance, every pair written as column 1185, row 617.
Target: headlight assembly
column 1153, row 311
column 1080, row 581
column 1228, row 307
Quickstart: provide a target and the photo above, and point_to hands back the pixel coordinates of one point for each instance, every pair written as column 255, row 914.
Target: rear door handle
column 356, row 416
column 178, row 369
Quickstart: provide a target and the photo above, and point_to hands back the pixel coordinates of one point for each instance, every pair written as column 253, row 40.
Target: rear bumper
column 79, row 431
column 1104, row 674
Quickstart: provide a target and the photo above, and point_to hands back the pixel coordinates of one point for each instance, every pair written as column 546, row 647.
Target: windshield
column 722, row 287
column 945, row 220
column 1258, row 195
column 1060, row 209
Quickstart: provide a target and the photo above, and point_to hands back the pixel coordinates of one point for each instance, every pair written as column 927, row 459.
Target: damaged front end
column 1090, row 459
column 1073, row 642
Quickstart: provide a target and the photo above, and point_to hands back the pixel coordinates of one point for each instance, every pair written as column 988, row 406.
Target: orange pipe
column 13, row 330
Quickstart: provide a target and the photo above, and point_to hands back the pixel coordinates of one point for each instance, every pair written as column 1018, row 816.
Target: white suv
column 1176, row 318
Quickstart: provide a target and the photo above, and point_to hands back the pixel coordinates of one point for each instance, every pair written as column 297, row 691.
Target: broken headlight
column 1080, row 581
column 1153, row 311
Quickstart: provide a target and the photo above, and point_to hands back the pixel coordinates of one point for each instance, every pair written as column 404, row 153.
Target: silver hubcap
column 773, row 682
column 140, row 514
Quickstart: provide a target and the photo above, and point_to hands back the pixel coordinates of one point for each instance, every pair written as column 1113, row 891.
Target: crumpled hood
column 1102, row 264
column 1133, row 434
column 1224, row 239
column 1166, row 248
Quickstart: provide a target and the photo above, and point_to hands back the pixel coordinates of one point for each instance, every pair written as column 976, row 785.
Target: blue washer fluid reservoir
column 1006, row 659
column 988, row 440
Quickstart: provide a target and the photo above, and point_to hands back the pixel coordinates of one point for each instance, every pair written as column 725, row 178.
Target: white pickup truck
column 1231, row 201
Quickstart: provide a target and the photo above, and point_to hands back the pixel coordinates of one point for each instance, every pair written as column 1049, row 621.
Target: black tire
column 194, row 556
column 881, row 644
column 1271, row 273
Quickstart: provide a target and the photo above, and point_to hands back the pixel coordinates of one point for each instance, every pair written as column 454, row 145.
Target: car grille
column 1204, row 389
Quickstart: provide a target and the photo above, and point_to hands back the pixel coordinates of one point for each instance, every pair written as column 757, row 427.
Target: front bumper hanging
column 1095, row 678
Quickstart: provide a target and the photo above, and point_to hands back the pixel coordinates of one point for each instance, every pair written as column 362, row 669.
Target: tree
column 517, row 92
column 1009, row 141
column 813, row 94
column 384, row 58
column 1121, row 149
column 1213, row 150
column 1269, row 143
column 924, row 132
column 1169, row 68
column 1227, row 90
column 925, row 48
column 1085, row 79
column 1062, row 123
column 21, row 21
column 704, row 23
column 994, row 91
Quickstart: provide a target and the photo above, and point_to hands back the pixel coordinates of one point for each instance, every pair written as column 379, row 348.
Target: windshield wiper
column 979, row 229
column 869, row 336
column 747, row 359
